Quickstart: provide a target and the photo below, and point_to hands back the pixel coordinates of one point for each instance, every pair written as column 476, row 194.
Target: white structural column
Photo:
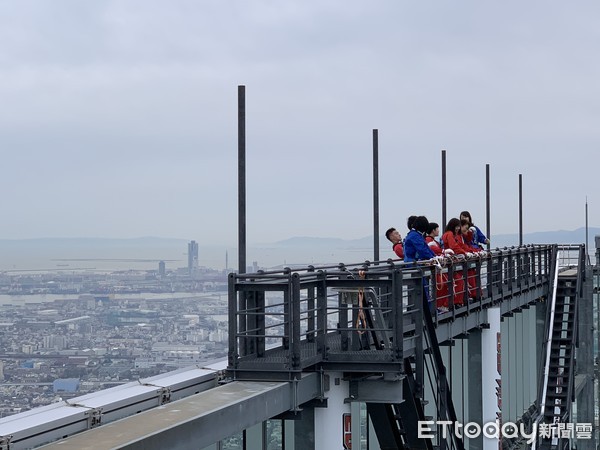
column 490, row 374
column 474, row 390
column 329, row 422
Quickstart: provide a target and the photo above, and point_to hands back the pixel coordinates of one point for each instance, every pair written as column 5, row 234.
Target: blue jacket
column 415, row 247
column 478, row 238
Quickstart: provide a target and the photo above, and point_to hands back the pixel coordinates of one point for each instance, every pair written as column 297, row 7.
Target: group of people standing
column 460, row 237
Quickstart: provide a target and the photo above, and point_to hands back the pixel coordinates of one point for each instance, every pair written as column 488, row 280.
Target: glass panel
column 274, row 435
column 235, row 442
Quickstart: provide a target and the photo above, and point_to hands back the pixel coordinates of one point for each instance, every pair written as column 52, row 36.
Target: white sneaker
column 442, row 310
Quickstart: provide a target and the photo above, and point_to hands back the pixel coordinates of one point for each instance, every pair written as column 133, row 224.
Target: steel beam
column 199, row 420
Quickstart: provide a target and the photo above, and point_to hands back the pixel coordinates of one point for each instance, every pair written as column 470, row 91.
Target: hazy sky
column 119, row 118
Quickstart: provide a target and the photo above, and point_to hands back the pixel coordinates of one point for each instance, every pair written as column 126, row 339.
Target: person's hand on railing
column 439, row 261
column 457, row 257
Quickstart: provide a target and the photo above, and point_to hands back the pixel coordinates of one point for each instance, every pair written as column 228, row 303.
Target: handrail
column 581, row 261
column 294, row 321
column 548, row 344
column 381, row 265
column 575, row 305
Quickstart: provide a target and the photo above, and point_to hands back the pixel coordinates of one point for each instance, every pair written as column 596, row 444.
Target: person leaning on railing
column 440, row 281
column 416, row 249
column 465, row 235
column 452, row 239
column 475, row 237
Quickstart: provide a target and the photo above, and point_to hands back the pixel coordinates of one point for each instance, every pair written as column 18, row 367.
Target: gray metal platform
column 199, row 420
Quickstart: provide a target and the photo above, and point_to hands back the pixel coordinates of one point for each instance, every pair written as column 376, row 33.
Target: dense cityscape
column 64, row 334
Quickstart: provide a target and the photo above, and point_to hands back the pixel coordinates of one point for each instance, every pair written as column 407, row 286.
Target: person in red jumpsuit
column 466, row 237
column 441, row 279
column 394, row 237
column 452, row 239
column 433, row 231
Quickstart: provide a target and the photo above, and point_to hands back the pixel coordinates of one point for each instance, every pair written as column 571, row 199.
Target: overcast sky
column 119, row 118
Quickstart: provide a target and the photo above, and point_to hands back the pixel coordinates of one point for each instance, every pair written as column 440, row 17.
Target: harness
column 361, row 320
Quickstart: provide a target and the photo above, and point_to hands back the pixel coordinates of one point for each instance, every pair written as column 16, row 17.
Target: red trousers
column 442, row 289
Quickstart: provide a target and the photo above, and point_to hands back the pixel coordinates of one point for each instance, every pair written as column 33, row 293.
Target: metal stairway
column 396, row 424
column 560, row 377
column 436, row 371
column 390, row 420
column 559, row 372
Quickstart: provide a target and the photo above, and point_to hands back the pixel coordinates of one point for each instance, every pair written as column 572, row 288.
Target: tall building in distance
column 162, row 269
column 192, row 257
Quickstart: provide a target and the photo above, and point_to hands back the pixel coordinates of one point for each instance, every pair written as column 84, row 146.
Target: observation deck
column 368, row 317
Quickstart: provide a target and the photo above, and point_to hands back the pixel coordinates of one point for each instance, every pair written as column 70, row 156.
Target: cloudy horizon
column 120, row 118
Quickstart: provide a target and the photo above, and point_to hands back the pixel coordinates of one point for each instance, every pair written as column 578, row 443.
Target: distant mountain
column 560, row 236
column 144, row 253
column 501, row 240
column 305, row 241
column 548, row 237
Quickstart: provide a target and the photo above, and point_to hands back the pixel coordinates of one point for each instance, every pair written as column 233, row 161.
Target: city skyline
column 147, row 253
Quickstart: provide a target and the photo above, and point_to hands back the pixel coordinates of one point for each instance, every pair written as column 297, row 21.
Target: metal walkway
column 314, row 316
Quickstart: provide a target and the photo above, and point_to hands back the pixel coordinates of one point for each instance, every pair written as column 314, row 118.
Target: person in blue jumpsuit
column 416, row 249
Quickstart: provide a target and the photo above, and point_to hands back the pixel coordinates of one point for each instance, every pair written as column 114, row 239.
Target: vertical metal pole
column 520, row 209
column 587, row 249
column 596, row 295
column 444, row 189
column 376, row 194
column 242, row 178
column 487, row 203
